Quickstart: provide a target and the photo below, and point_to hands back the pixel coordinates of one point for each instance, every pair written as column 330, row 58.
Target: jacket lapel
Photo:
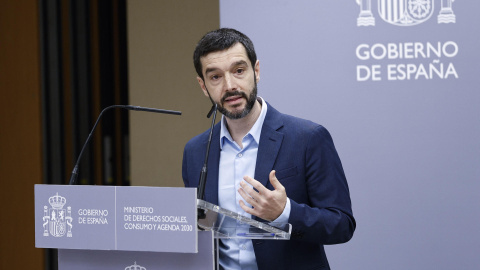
column 211, row 189
column 269, row 146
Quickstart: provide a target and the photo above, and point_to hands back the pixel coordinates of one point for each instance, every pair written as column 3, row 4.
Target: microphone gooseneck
column 74, row 176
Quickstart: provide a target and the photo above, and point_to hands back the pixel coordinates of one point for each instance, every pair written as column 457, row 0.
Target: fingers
column 266, row 204
column 251, row 196
column 260, row 189
column 257, row 185
column 246, row 208
column 248, row 194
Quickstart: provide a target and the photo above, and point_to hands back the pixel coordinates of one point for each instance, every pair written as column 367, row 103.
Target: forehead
column 224, row 58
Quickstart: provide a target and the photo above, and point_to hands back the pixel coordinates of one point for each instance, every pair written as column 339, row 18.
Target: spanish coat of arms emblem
column 57, row 221
column 404, row 12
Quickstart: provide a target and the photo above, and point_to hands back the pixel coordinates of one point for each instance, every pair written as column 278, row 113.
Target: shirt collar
column 255, row 131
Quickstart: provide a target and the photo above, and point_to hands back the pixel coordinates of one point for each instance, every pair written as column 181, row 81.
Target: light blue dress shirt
column 235, row 163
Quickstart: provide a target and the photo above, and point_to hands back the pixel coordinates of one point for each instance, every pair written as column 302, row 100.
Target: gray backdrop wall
column 397, row 85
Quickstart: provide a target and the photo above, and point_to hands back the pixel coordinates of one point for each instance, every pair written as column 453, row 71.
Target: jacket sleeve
column 326, row 217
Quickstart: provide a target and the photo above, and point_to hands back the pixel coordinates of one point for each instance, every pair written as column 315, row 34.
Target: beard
column 248, row 107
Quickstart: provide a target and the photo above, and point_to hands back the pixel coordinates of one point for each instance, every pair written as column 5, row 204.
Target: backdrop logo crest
column 56, row 219
column 404, row 12
column 135, row 266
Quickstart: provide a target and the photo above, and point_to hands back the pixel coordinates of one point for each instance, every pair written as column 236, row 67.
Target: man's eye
column 214, row 77
column 240, row 71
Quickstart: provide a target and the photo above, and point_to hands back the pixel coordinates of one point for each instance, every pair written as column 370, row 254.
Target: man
column 266, row 164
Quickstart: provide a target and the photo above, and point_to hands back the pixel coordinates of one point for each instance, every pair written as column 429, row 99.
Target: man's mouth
column 233, row 99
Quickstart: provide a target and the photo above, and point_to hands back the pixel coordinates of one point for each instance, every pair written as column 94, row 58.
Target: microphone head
column 214, row 108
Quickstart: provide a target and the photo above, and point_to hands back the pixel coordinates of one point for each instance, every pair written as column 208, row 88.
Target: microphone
column 203, row 174
column 74, row 176
column 146, row 109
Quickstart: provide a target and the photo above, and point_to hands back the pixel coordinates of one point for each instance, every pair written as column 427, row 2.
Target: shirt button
column 240, row 155
column 243, row 247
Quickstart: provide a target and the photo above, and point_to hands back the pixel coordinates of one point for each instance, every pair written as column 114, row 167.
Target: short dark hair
column 219, row 40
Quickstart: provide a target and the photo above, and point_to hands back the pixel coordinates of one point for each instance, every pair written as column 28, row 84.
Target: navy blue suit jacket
column 308, row 166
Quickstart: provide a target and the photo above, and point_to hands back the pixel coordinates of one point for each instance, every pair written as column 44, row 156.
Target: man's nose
column 229, row 82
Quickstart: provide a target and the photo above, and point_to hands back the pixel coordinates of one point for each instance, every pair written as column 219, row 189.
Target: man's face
column 229, row 80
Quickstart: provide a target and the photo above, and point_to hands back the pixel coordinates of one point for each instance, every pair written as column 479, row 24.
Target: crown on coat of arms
column 135, row 267
column 57, row 202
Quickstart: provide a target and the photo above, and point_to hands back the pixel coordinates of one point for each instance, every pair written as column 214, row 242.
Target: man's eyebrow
column 208, row 70
column 235, row 64
column 239, row 63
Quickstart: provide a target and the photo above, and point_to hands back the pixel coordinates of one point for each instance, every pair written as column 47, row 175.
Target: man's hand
column 267, row 204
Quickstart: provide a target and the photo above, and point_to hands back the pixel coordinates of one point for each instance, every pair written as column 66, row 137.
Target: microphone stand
column 203, row 174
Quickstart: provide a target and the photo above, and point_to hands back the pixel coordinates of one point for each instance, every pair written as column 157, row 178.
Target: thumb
column 274, row 181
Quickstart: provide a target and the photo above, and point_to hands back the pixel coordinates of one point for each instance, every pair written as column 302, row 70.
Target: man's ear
column 257, row 70
column 202, row 85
